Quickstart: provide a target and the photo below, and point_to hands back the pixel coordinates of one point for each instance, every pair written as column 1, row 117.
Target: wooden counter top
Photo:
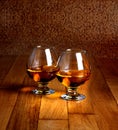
column 21, row 110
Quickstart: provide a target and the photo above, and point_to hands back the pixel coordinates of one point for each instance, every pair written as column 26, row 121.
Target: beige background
column 86, row 24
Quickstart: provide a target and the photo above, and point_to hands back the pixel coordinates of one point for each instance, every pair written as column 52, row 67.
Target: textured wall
column 87, row 24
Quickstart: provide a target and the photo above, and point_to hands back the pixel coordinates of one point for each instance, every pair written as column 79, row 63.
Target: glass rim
column 43, row 47
column 73, row 50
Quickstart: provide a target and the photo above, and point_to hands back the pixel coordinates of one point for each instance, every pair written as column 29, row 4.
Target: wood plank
column 82, row 122
column 99, row 90
column 82, row 107
column 53, row 125
column 16, row 74
column 110, row 71
column 7, row 102
column 102, row 123
column 28, row 114
column 107, row 115
column 5, row 64
column 52, row 106
column 21, row 110
column 103, row 101
column 8, row 96
column 25, row 114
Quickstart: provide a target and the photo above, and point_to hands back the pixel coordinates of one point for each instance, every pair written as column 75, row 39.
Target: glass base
column 77, row 97
column 43, row 92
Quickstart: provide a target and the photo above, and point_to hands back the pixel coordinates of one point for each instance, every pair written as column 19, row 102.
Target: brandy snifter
column 74, row 71
column 42, row 68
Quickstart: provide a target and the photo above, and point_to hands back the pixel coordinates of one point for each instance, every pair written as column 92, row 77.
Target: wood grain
column 103, row 101
column 16, row 74
column 7, row 102
column 110, row 71
column 25, row 114
column 20, row 109
column 5, row 64
column 85, row 106
column 53, row 125
column 8, row 96
column 82, row 122
column 53, row 107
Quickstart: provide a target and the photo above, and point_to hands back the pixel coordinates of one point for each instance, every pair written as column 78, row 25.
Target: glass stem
column 43, row 86
column 72, row 92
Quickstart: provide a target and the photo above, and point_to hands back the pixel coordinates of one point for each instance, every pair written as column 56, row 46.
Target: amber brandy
column 43, row 74
column 74, row 78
